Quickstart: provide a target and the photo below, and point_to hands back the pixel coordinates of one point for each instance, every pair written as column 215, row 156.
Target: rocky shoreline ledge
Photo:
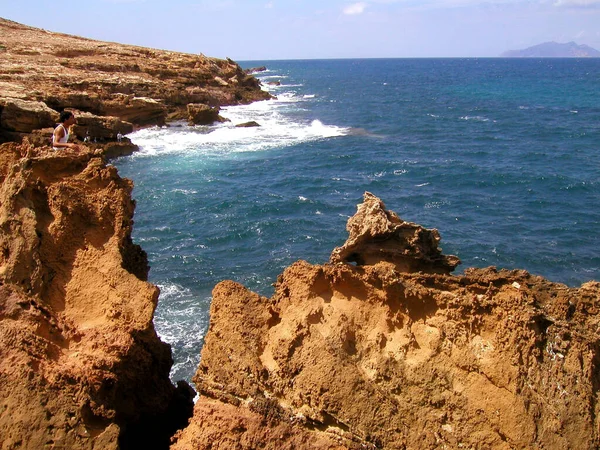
column 113, row 88
column 380, row 348
column 394, row 352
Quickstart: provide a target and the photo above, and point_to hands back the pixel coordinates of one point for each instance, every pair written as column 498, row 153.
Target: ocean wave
column 276, row 130
column 271, row 77
column 181, row 320
column 475, row 118
column 186, row 191
column 436, row 205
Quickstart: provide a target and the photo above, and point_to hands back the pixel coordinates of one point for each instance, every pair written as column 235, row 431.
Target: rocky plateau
column 381, row 347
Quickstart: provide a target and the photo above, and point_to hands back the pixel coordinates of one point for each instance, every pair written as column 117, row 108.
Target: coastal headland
column 381, row 347
column 113, row 88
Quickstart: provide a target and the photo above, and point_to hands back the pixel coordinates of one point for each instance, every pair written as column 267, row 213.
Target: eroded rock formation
column 43, row 72
column 81, row 366
column 394, row 352
column 376, row 234
column 380, row 348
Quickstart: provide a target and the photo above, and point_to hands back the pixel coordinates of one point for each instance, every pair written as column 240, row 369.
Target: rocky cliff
column 383, row 348
column 117, row 87
column 81, row 366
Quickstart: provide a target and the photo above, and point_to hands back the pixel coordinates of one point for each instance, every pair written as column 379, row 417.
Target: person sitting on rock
column 60, row 137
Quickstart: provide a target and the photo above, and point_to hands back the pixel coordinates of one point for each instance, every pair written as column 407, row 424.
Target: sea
column 502, row 156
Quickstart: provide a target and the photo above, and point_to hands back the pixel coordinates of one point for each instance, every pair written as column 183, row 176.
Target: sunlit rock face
column 81, row 366
column 393, row 352
column 378, row 235
column 43, row 72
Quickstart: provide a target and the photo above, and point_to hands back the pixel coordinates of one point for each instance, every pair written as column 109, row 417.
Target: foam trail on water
column 180, row 321
column 276, row 130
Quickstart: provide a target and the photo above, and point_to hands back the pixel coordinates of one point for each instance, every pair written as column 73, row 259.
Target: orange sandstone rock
column 41, row 71
column 376, row 234
column 80, row 363
column 392, row 356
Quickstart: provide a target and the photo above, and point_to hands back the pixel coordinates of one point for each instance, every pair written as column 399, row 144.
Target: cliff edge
column 391, row 351
column 381, row 348
column 81, row 366
column 114, row 88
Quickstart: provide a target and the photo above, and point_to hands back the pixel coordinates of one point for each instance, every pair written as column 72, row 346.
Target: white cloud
column 355, row 8
column 580, row 3
column 429, row 4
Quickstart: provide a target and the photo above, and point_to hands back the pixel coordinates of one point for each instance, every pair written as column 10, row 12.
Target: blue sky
column 299, row 29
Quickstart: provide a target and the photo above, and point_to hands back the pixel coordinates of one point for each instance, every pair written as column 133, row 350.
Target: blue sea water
column 502, row 156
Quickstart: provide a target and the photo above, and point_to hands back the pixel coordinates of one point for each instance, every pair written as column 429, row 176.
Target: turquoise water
column 502, row 156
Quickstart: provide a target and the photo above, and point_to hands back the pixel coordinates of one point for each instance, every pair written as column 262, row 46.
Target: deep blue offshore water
column 502, row 156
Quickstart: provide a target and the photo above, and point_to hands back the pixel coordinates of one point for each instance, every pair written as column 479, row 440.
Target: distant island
column 554, row 50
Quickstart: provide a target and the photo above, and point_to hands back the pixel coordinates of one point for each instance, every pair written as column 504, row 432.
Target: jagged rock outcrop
column 95, row 127
column 256, row 69
column 251, row 124
column 81, row 366
column 376, row 234
column 394, row 354
column 138, row 85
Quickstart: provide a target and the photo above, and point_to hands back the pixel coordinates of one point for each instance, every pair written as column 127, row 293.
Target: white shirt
column 62, row 140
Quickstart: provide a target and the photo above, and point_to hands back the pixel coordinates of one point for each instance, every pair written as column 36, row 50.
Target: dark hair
column 65, row 115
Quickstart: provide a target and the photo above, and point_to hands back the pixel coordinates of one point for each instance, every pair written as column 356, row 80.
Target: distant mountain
column 554, row 50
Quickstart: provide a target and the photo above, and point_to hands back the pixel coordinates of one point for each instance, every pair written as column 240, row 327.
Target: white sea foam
column 181, row 321
column 475, row 118
column 436, row 205
column 186, row 191
column 276, row 130
column 170, row 291
column 271, row 77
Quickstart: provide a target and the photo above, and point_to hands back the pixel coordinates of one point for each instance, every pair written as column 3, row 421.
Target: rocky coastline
column 113, row 88
column 381, row 347
column 394, row 352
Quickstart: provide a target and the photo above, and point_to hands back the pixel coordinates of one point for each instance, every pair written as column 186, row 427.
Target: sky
column 246, row 30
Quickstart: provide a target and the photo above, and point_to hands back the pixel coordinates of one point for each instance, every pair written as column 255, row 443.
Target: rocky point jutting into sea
column 114, row 88
column 380, row 347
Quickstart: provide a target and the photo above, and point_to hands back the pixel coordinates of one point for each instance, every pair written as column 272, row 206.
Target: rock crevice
column 81, row 365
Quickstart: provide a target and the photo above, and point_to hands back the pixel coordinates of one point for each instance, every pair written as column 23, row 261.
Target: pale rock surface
column 24, row 116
